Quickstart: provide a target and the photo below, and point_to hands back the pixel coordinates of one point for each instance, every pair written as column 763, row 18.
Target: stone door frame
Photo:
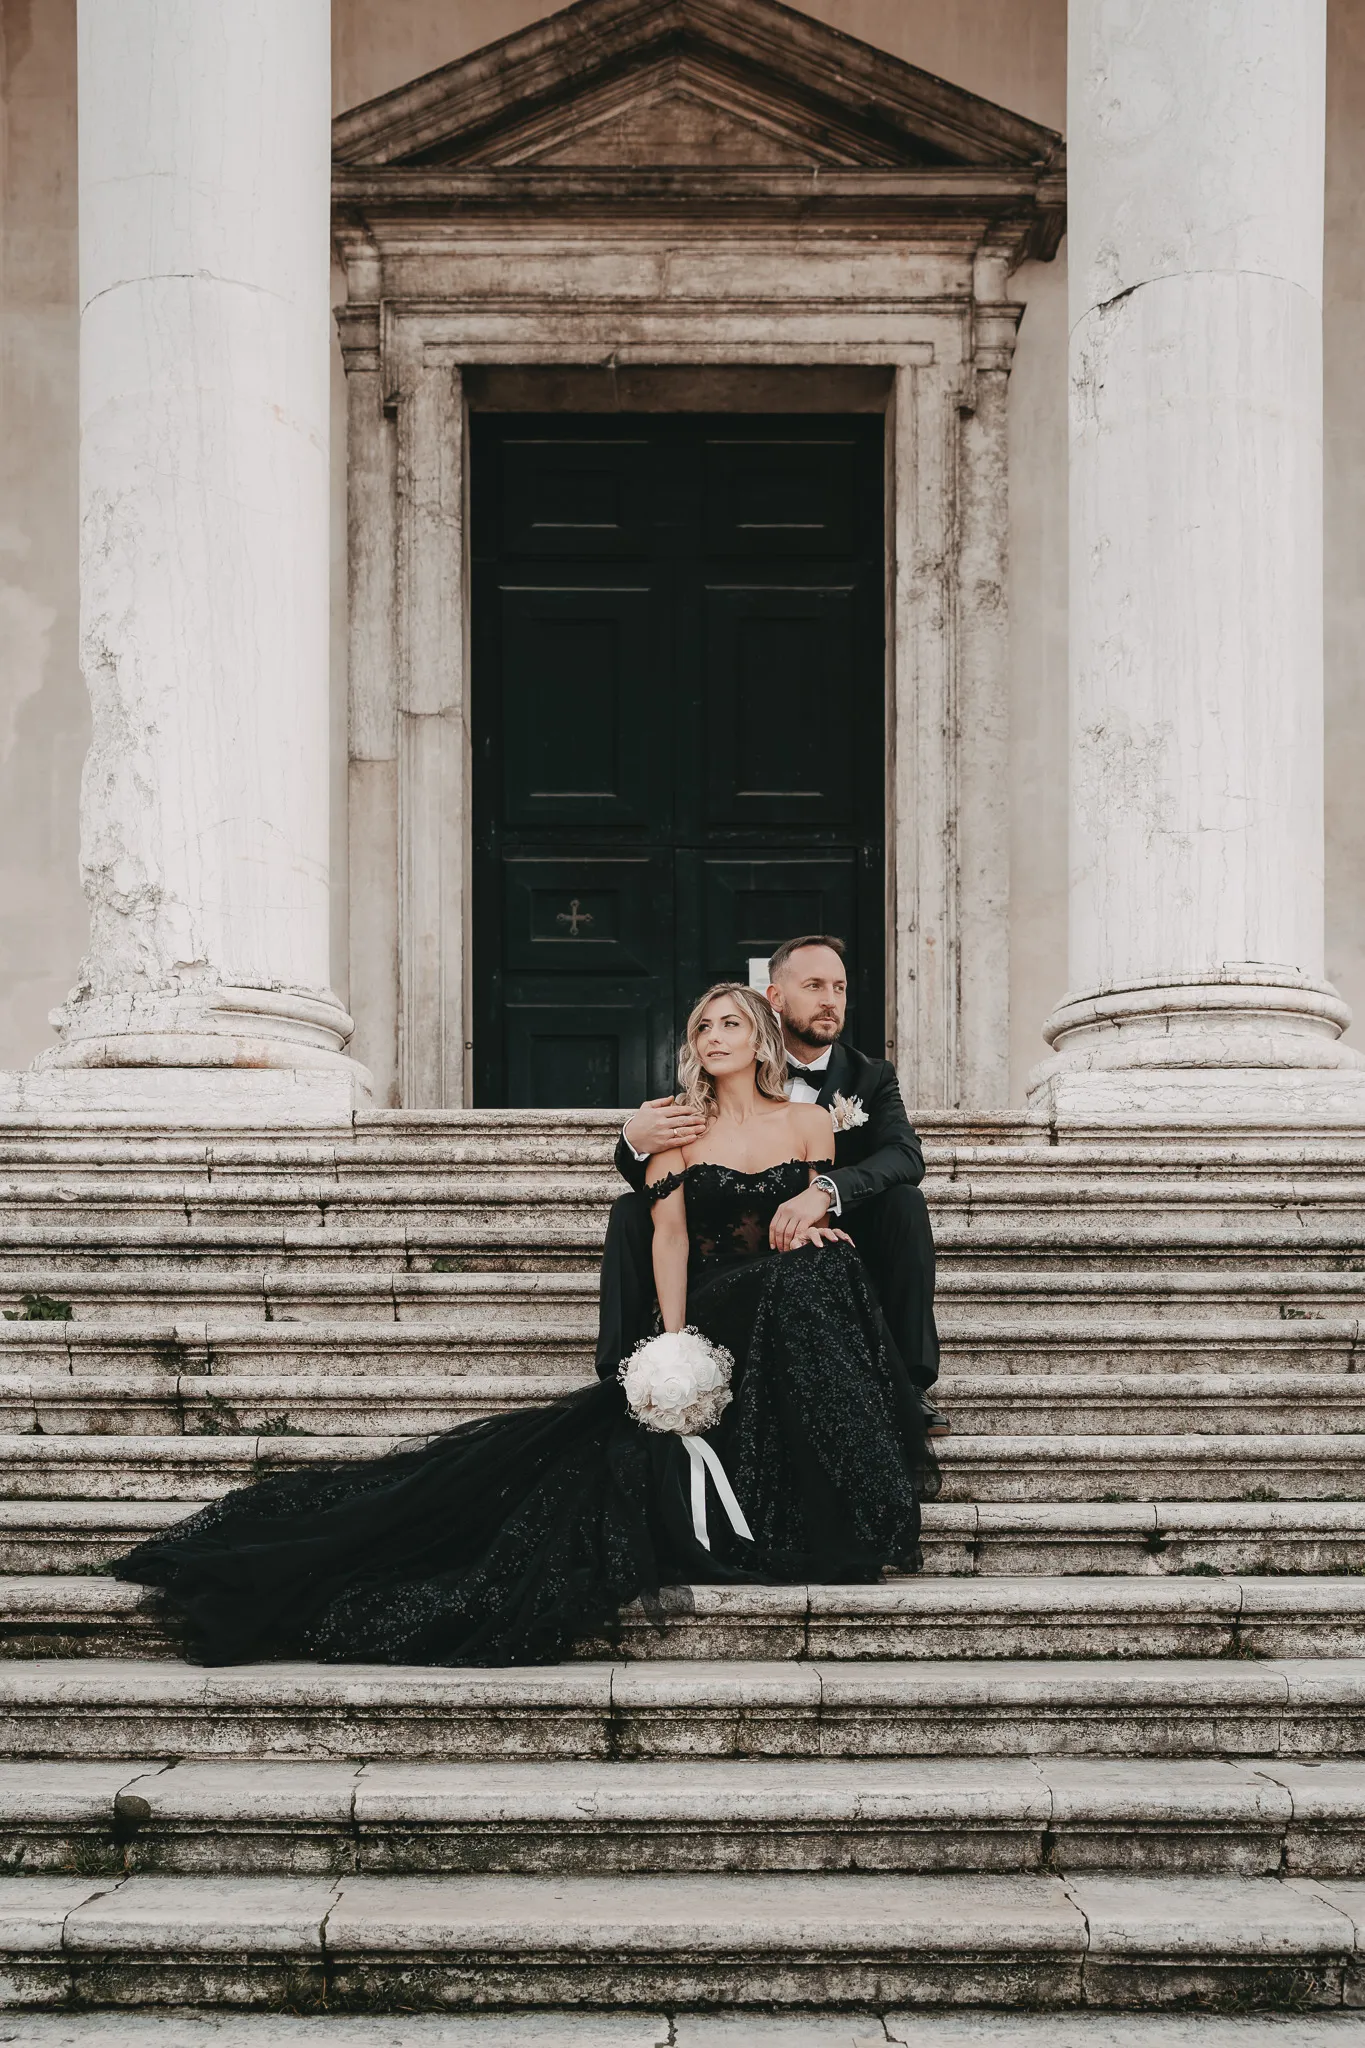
column 708, row 185
column 947, row 350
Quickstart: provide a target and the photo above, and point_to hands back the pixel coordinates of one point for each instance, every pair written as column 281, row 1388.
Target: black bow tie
column 813, row 1078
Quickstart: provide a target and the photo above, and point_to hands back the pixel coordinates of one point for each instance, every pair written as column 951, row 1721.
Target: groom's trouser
column 893, row 1236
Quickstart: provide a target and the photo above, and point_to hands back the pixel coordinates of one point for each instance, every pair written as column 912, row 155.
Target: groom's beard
column 819, row 1033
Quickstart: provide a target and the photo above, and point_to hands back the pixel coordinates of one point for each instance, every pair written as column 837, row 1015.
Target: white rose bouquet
column 679, row 1382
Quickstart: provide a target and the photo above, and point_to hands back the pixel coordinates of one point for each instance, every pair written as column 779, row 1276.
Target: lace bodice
column 728, row 1212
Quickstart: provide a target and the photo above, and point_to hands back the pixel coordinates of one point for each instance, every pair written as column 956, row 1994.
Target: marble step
column 1292, row 1708
column 177, row 2026
column 478, row 1136
column 1055, row 1192
column 785, row 1941
column 202, row 1404
column 975, row 1468
column 1082, row 1299
column 552, row 1335
column 454, row 1140
column 1038, row 1815
column 136, row 1401
column 821, row 2027
column 923, row 1618
column 960, row 1538
column 567, row 1233
column 495, row 1326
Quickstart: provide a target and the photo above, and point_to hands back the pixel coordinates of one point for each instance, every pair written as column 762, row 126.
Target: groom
column 872, row 1191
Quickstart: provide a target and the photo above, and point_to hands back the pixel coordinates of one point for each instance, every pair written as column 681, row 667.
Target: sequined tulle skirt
column 507, row 1540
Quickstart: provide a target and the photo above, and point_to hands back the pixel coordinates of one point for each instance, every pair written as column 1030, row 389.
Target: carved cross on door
column 573, row 917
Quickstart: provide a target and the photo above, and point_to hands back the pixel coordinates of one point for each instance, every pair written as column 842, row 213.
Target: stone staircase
column 1105, row 1759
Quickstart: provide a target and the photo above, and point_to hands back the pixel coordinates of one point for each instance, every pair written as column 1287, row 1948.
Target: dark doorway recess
column 679, row 753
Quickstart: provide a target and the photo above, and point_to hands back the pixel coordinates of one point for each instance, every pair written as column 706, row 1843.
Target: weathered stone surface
column 203, row 2029
column 788, row 1940
column 1216, row 1917
column 1196, row 812
column 752, row 1815
column 1149, row 1707
column 1117, row 2030
column 776, row 1940
column 33, row 1911
column 1210, row 1937
column 927, row 1728
column 206, row 1940
column 204, row 299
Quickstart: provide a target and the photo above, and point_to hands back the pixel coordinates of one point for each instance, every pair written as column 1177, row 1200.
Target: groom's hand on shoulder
column 661, row 1126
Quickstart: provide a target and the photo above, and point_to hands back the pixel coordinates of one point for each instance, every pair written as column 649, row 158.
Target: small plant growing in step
column 1199, row 1571
column 39, row 1308
column 279, row 1425
column 1260, row 1493
column 217, row 1419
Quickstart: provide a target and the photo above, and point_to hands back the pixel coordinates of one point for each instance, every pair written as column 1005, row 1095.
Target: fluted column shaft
column 1195, row 180
column 204, row 371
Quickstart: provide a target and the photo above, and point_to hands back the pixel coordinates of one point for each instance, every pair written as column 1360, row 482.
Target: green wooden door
column 679, row 750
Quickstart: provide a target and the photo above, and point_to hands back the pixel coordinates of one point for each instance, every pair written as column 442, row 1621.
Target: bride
column 504, row 1541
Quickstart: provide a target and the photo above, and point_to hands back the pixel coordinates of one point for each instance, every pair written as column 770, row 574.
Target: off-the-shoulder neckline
column 749, row 1173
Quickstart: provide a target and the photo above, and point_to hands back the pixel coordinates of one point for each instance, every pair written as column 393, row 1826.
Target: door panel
column 587, row 917
column 786, row 497
column 678, row 731
column 575, row 722
column 576, row 1056
column 589, row 939
column 748, row 904
column 584, row 497
column 780, row 735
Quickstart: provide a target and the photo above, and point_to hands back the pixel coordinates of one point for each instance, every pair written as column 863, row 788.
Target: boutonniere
column 847, row 1112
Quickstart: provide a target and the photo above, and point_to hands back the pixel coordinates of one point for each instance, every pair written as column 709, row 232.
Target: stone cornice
column 1019, row 211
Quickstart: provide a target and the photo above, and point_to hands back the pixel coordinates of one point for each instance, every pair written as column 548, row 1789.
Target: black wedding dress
column 504, row 1541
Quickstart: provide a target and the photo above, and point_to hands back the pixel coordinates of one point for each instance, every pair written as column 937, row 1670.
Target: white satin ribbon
column 703, row 1459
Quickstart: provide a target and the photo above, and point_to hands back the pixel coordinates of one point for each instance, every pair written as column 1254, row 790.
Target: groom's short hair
column 778, row 960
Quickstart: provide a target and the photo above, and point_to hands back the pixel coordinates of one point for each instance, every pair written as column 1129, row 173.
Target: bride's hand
column 817, row 1234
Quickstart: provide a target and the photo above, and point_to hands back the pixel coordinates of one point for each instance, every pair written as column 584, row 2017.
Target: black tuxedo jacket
column 880, row 1154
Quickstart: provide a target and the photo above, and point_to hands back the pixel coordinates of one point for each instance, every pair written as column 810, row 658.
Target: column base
column 199, row 1045
column 176, row 1099
column 1245, row 1044
column 1195, row 1098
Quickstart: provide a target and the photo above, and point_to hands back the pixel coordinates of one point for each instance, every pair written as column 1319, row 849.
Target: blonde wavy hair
column 697, row 1091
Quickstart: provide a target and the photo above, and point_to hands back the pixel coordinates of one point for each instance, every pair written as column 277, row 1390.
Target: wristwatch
column 822, row 1180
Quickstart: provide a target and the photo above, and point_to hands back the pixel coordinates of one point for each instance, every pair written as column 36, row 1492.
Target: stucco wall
column 1010, row 50
column 44, row 719
column 1344, row 493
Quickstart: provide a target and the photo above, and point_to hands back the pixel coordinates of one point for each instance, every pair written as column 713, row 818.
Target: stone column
column 205, row 334
column 1195, row 177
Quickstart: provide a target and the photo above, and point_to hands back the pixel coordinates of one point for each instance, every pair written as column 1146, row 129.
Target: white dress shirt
column 798, row 1090
column 803, row 1090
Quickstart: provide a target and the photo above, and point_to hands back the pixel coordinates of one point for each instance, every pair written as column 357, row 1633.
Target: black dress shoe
column 935, row 1424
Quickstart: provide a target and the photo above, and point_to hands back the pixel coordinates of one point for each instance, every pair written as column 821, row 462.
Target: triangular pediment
column 700, row 83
